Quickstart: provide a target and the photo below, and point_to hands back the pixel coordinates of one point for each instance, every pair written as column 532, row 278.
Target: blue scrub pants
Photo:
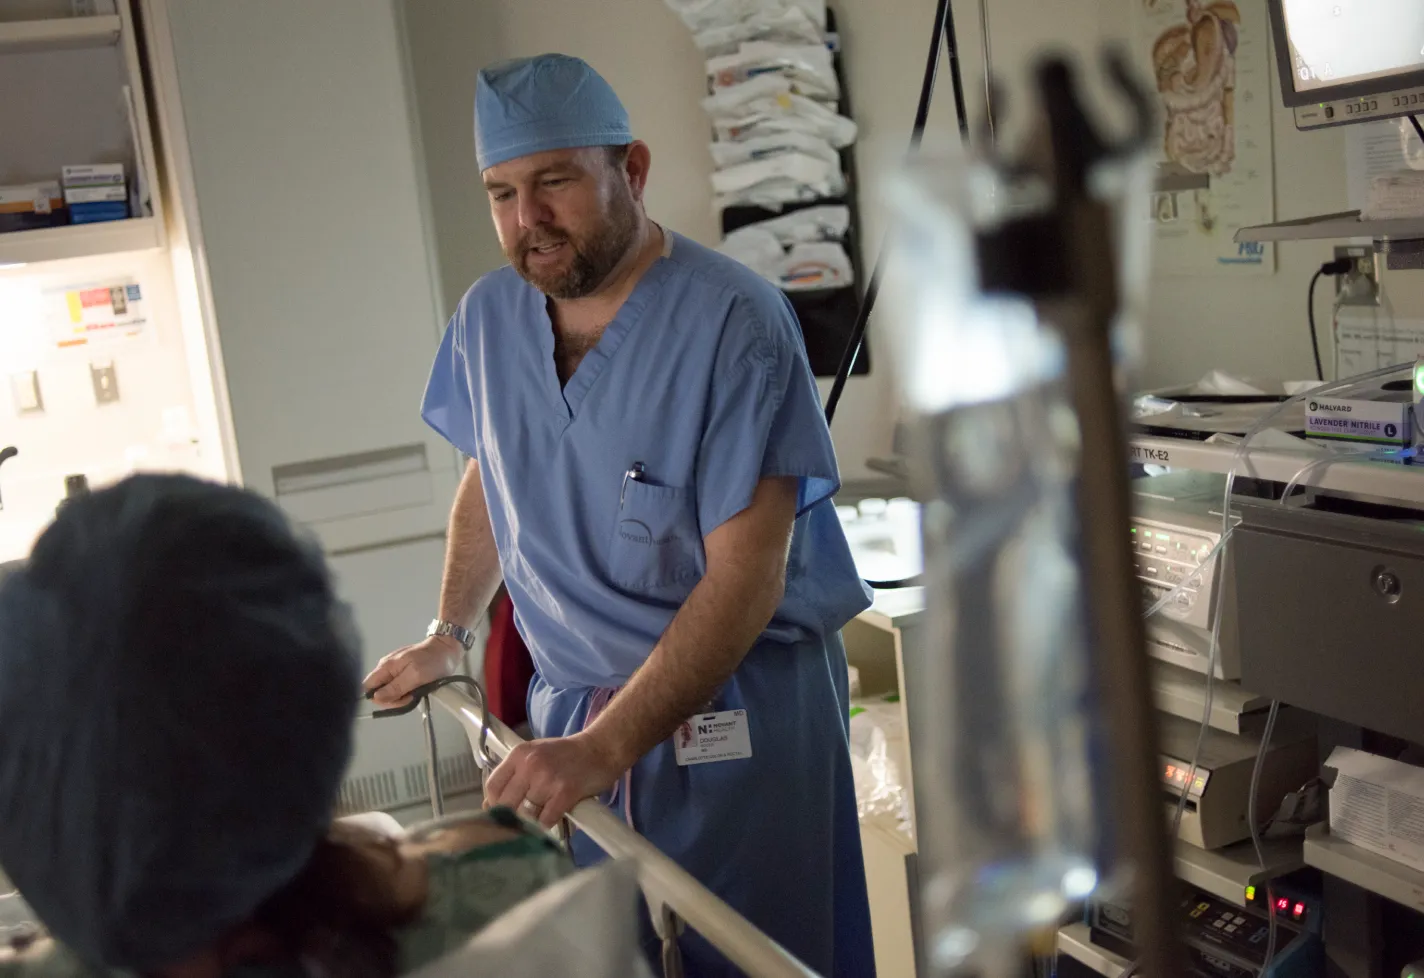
column 776, row 835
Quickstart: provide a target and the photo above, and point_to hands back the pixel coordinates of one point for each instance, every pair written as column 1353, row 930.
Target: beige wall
column 1254, row 325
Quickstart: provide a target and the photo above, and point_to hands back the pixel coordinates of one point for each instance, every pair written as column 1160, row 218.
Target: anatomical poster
column 1215, row 165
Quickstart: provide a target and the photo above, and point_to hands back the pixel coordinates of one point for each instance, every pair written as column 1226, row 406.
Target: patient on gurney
column 177, row 690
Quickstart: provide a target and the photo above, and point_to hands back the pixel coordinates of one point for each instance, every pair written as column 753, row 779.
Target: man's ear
column 637, row 166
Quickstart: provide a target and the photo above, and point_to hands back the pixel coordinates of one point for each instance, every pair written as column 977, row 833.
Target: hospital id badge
column 710, row 737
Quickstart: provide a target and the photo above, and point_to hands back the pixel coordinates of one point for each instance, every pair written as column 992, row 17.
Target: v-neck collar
column 567, row 398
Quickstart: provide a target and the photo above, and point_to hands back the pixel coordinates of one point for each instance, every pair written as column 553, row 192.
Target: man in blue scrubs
column 651, row 475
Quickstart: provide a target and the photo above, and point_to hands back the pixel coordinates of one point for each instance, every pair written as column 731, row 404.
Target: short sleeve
column 448, row 406
column 764, row 419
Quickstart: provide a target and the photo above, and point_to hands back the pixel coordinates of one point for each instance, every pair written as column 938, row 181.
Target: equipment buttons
column 1218, row 923
column 1231, row 928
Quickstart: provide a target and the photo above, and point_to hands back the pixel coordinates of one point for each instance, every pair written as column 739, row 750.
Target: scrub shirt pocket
column 656, row 542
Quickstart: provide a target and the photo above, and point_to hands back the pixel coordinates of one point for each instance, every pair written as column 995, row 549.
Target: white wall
column 1254, row 325
column 1251, row 325
column 74, row 435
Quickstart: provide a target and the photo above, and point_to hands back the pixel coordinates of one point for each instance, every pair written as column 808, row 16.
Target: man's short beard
column 594, row 259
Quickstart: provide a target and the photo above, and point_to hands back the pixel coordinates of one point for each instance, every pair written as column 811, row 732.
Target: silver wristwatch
column 459, row 633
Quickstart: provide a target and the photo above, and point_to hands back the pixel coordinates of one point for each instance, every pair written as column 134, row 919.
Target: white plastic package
column 808, row 265
column 784, row 113
column 777, row 192
column 807, row 67
column 877, row 760
column 824, row 178
column 730, row 154
column 789, row 25
column 702, row 15
column 734, row 99
column 755, row 248
column 706, row 15
column 816, row 265
column 829, row 222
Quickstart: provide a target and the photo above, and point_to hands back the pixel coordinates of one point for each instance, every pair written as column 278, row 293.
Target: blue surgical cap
column 177, row 690
column 553, row 101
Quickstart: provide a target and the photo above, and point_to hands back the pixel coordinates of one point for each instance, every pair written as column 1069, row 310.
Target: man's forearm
column 472, row 571
column 704, row 645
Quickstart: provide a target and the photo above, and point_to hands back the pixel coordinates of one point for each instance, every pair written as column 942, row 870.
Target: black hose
column 943, row 28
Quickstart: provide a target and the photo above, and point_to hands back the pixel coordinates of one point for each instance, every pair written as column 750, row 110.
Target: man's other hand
column 544, row 779
column 412, row 667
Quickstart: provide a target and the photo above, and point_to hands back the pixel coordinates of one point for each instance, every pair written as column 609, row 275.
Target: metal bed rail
column 666, row 885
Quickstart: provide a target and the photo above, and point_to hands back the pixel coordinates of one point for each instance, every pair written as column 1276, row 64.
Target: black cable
column 943, row 28
column 1310, row 310
column 1337, row 267
column 1417, row 127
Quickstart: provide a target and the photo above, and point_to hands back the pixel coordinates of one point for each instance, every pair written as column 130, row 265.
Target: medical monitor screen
column 1349, row 47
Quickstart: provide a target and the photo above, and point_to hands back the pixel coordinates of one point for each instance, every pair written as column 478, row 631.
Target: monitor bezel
column 1328, row 93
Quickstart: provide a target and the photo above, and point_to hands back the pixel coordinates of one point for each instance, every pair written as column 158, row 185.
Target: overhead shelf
column 1225, row 873
column 1335, row 226
column 1391, row 880
column 80, row 241
column 60, row 33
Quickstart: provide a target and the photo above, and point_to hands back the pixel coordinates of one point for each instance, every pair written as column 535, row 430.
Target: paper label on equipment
column 710, row 737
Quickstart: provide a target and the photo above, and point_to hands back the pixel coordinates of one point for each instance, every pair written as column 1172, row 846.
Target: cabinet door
column 307, row 175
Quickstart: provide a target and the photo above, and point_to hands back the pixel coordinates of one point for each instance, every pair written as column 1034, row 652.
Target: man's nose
column 533, row 212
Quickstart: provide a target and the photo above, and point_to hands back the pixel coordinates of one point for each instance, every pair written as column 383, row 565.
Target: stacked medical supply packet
column 97, row 192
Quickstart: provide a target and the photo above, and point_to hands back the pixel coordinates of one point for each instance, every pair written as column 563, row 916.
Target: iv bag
column 1010, row 770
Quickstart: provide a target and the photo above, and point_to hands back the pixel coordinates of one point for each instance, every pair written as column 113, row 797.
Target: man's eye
column 556, row 181
column 501, row 196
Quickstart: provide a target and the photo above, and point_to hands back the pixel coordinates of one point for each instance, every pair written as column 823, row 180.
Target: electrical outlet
column 25, row 389
column 106, row 382
column 1360, row 285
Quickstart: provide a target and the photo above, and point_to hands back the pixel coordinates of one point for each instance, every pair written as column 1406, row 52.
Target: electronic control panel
column 1226, row 940
column 1174, row 544
column 1171, row 554
column 1342, row 111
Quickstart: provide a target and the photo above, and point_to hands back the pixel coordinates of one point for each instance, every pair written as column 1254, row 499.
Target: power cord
column 1256, row 832
column 1417, row 127
column 1337, row 267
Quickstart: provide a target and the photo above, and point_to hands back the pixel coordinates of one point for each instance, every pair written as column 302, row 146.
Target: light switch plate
column 106, row 382
column 25, row 389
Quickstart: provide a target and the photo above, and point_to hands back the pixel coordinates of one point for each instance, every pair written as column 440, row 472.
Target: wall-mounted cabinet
column 84, row 103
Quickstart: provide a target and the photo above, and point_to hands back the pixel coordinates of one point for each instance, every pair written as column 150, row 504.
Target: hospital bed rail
column 664, row 882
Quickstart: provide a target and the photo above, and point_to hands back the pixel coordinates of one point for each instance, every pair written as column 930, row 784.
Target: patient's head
column 177, row 685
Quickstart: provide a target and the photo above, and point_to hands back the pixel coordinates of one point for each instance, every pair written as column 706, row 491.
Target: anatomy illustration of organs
column 1195, row 64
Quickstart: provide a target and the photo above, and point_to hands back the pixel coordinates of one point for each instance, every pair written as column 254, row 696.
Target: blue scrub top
column 702, row 378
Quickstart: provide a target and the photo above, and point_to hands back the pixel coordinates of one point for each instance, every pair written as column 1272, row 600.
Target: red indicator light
column 1283, row 904
column 1299, row 909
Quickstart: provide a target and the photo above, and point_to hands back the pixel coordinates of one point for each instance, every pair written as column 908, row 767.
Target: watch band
column 459, row 633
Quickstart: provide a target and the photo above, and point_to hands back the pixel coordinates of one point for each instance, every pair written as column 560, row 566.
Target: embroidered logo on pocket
column 636, row 531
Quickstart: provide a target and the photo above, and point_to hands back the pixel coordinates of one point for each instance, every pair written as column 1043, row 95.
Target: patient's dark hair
column 175, row 666
column 343, row 908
